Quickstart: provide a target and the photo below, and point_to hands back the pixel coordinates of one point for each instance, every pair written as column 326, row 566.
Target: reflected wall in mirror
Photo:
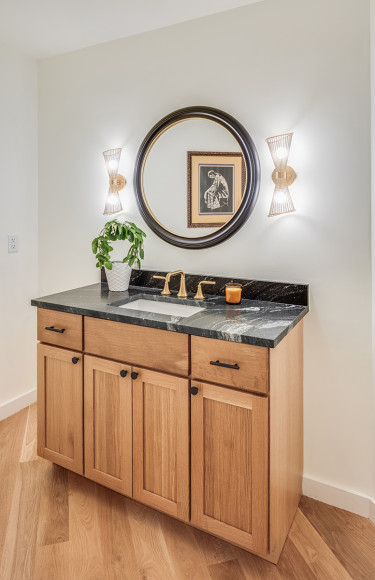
column 196, row 177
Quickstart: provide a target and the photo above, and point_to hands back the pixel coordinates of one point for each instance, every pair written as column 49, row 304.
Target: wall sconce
column 282, row 176
column 116, row 181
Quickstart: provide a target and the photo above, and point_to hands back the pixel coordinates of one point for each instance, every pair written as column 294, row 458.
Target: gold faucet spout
column 182, row 293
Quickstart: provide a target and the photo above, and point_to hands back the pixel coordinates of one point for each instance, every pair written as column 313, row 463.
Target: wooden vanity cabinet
column 108, row 423
column 229, row 465
column 214, row 445
column 161, row 441
column 60, row 406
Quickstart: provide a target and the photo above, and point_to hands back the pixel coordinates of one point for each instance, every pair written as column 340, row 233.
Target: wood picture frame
column 215, row 187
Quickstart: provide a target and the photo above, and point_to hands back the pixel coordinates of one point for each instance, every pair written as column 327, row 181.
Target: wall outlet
column 12, row 243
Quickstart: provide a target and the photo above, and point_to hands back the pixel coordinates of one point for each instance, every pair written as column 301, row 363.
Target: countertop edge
column 173, row 327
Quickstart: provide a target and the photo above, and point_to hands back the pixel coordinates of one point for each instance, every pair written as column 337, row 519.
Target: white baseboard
column 356, row 503
column 17, row 404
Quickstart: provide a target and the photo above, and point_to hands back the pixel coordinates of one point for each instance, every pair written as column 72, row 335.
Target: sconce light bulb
column 281, row 201
column 112, row 161
column 282, row 154
column 112, row 165
column 113, row 203
column 279, row 147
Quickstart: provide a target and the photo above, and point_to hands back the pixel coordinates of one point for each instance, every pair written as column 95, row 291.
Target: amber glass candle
column 233, row 293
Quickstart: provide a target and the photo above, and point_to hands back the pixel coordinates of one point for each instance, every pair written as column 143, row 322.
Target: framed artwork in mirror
column 216, row 183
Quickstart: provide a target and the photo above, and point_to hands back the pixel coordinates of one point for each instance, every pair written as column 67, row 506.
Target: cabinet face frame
column 257, row 540
column 71, row 389
column 96, row 418
column 180, row 386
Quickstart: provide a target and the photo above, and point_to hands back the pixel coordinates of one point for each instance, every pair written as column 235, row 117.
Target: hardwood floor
column 55, row 525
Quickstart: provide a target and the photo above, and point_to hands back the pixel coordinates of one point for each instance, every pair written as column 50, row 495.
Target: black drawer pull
column 123, row 374
column 194, row 390
column 75, row 360
column 134, row 375
column 220, row 364
column 53, row 329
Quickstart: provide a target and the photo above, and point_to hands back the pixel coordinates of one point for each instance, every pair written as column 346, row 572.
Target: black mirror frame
column 252, row 171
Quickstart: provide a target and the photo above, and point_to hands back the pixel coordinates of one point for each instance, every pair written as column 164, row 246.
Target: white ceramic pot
column 119, row 277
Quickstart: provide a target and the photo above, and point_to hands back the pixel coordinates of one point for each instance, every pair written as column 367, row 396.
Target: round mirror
column 197, row 177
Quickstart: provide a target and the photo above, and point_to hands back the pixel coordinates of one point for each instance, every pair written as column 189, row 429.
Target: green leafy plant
column 116, row 230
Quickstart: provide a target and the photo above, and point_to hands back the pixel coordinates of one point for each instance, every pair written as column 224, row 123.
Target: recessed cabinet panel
column 227, row 469
column 108, row 424
column 161, row 442
column 229, row 465
column 60, row 394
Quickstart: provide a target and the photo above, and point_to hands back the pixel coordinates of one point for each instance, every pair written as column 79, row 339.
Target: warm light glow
column 282, row 155
column 279, row 147
column 112, row 161
column 113, row 203
column 281, row 201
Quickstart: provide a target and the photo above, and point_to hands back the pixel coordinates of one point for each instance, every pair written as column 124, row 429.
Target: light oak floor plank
column 12, row 432
column 56, row 525
column 53, row 525
column 316, row 553
column 346, row 534
column 28, row 452
column 226, row 571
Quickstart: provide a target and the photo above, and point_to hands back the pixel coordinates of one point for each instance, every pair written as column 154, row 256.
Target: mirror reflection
column 194, row 177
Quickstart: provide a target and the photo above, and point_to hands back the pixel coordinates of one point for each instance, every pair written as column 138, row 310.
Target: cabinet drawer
column 60, row 328
column 238, row 365
column 138, row 345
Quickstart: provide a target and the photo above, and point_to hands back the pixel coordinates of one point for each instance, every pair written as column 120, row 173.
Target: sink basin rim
column 167, row 308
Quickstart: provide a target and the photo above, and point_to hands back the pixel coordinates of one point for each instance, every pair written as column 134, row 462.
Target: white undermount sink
column 169, row 308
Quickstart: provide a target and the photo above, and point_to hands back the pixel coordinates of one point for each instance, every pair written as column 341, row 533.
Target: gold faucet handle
column 165, row 291
column 199, row 295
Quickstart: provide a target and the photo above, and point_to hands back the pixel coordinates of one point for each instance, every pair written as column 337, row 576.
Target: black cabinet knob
column 194, row 390
column 75, row 360
column 134, row 375
column 123, row 373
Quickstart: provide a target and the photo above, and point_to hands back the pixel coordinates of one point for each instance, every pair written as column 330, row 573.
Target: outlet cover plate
column 12, row 243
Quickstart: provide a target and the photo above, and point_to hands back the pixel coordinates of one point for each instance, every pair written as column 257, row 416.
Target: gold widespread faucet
column 199, row 295
column 166, row 291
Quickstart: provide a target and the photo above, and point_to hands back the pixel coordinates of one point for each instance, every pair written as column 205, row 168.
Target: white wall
column 18, row 214
column 281, row 65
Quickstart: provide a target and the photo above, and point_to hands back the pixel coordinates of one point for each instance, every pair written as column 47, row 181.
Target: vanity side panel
column 138, row 345
column 286, row 436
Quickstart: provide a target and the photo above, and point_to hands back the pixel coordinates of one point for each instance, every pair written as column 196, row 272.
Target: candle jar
column 233, row 293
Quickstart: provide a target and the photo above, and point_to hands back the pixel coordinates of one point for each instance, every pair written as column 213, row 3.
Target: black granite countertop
column 257, row 322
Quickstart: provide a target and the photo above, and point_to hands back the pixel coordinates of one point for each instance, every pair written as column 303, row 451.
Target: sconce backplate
column 119, row 181
column 290, row 175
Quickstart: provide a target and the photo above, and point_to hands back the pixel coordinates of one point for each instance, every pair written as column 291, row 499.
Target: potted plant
column 118, row 272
